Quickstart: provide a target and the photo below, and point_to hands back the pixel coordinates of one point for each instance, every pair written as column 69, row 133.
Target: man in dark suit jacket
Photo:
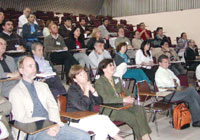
column 31, row 32
column 65, row 28
column 83, row 29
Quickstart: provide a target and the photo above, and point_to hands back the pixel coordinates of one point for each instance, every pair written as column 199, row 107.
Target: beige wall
column 174, row 23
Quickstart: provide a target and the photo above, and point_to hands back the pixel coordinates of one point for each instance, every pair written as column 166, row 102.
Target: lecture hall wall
column 174, row 23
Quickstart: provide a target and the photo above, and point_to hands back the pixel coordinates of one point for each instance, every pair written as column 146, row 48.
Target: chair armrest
column 77, row 115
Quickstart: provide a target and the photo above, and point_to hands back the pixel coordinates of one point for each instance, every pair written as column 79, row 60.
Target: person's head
column 142, row 26
column 99, row 46
column 96, row 33
column 75, row 32
column 159, row 31
column 78, row 74
column 121, row 32
column 184, row 36
column 1, row 16
column 37, row 49
column 27, row 11
column 164, row 44
column 27, row 68
column 53, row 28
column 191, row 43
column 106, row 67
column 68, row 22
column 122, row 47
column 48, row 23
column 145, row 47
column 105, row 22
column 7, row 26
column 136, row 35
column 31, row 18
column 163, row 61
column 3, row 45
column 82, row 22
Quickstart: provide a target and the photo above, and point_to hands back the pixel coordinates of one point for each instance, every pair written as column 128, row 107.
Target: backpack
column 181, row 117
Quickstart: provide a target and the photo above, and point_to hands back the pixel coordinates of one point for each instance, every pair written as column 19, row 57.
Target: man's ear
column 20, row 70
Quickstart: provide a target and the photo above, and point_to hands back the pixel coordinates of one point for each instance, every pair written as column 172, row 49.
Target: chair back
column 143, row 87
column 129, row 84
column 62, row 103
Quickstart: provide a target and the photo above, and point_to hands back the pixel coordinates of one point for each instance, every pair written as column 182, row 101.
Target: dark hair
column 163, row 42
column 105, row 19
column 73, row 30
column 182, row 34
column 160, row 58
column 67, row 18
column 30, row 15
column 141, row 23
column 102, row 65
column 80, row 19
column 144, row 43
column 5, row 21
column 120, row 45
column 158, row 29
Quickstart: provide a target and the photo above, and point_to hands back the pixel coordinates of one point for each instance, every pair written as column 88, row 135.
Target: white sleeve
column 138, row 57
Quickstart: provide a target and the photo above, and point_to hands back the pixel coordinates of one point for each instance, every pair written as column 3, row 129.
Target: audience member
column 96, row 36
column 191, row 54
column 182, row 43
column 121, row 38
column 81, row 97
column 177, row 68
column 75, row 41
column 5, row 109
column 137, row 41
column 56, row 42
column 121, row 57
column 1, row 20
column 43, row 66
column 8, row 69
column 14, row 41
column 98, row 54
column 144, row 58
column 159, row 38
column 104, row 30
column 23, row 19
column 46, row 31
column 82, row 26
column 31, row 32
column 144, row 33
column 34, row 101
column 165, row 78
column 110, row 88
column 66, row 27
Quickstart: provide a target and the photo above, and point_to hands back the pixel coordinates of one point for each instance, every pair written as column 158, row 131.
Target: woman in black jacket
column 75, row 43
column 81, row 97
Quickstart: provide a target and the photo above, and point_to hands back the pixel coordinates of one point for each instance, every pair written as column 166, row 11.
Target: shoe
column 196, row 124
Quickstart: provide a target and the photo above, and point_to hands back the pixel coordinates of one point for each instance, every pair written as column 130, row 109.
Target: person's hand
column 143, row 63
column 86, row 89
column 151, row 63
column 175, row 83
column 65, row 48
column 53, row 131
column 92, row 89
column 21, row 48
column 128, row 99
column 13, row 74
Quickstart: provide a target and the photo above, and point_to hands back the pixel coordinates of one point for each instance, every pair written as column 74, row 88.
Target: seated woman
column 81, row 97
column 96, row 36
column 75, row 41
column 191, row 54
column 121, row 57
column 144, row 58
column 110, row 88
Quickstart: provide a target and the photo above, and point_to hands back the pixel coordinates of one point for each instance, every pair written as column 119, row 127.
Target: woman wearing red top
column 75, row 43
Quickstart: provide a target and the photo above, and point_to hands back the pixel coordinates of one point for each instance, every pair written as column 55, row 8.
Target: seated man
column 177, row 68
column 7, row 69
column 82, row 26
column 166, row 78
column 31, row 32
column 44, row 66
column 98, row 54
column 121, row 38
column 14, row 41
column 56, row 42
column 32, row 101
column 104, row 30
column 66, row 28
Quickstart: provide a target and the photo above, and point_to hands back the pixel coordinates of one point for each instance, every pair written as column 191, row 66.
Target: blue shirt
column 33, row 31
column 38, row 108
column 124, row 56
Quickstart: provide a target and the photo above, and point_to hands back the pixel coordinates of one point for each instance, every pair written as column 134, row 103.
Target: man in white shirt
column 166, row 78
column 103, row 28
column 23, row 20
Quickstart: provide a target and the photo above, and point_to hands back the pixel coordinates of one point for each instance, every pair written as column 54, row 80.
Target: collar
column 67, row 27
column 9, row 34
column 27, row 83
column 37, row 58
column 55, row 36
